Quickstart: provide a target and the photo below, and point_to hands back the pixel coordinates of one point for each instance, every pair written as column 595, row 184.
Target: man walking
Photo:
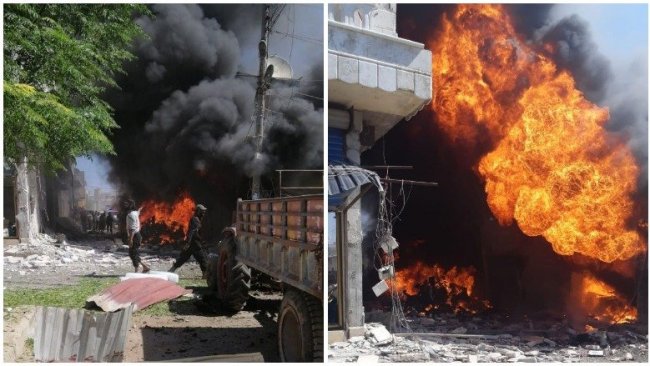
column 109, row 222
column 194, row 243
column 134, row 237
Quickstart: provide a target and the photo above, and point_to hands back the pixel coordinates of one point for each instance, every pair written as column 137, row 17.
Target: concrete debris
column 26, row 262
column 368, row 359
column 380, row 288
column 377, row 334
column 593, row 352
column 432, row 340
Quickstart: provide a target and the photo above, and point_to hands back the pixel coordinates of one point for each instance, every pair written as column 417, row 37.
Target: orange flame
column 174, row 217
column 554, row 169
column 601, row 301
column 456, row 282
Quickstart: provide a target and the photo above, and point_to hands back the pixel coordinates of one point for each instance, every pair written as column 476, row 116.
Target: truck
column 281, row 237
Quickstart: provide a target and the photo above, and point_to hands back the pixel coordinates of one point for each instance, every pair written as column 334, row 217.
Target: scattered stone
column 369, row 359
column 495, row 356
column 629, row 357
column 378, row 335
column 13, row 260
column 472, row 359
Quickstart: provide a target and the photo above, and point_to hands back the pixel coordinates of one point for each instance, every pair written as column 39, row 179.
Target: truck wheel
column 231, row 279
column 300, row 327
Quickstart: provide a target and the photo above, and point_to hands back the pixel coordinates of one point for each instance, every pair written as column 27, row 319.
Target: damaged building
column 376, row 79
column 533, row 248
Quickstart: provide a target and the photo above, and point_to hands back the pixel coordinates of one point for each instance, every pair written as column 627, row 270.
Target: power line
column 309, row 96
column 300, row 37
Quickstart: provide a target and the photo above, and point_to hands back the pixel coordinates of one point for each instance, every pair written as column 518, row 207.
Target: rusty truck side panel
column 283, row 237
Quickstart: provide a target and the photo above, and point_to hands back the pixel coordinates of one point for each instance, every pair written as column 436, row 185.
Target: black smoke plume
column 187, row 118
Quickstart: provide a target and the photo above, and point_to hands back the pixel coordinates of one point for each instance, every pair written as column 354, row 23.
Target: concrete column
column 353, row 258
column 354, row 237
column 26, row 202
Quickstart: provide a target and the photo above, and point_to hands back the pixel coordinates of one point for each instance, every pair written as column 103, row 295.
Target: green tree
column 58, row 60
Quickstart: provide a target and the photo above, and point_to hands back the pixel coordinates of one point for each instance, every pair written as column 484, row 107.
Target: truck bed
column 283, row 238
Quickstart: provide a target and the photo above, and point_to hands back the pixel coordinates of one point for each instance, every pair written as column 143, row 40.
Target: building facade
column 376, row 79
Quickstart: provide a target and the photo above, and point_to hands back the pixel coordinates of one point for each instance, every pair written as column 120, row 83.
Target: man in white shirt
column 134, row 237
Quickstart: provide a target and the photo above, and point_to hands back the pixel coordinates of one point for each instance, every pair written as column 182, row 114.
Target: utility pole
column 263, row 81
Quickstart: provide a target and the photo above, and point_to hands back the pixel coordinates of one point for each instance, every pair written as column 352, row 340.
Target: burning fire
column 457, row 283
column 602, row 302
column 554, row 169
column 172, row 218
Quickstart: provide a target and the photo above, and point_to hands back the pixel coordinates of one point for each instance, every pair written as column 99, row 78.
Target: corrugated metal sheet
column 141, row 292
column 336, row 146
column 344, row 178
column 76, row 335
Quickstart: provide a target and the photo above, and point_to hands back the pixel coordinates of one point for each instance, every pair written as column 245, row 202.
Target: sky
column 620, row 32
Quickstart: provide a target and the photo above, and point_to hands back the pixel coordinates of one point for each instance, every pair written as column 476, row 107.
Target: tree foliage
column 58, row 60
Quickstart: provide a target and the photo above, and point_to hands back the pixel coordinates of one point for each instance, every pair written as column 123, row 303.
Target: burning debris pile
column 601, row 301
column 439, row 289
column 164, row 223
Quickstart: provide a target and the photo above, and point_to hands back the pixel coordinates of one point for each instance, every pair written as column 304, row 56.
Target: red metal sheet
column 141, row 292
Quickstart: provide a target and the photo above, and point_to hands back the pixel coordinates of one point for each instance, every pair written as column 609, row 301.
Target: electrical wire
column 300, row 37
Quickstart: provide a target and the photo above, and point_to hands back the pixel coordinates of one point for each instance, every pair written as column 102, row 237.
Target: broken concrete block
column 629, row 357
column 356, row 339
column 528, row 360
column 168, row 276
column 495, row 356
column 368, row 359
column 472, row 359
column 378, row 335
column 380, row 288
column 13, row 260
column 597, row 353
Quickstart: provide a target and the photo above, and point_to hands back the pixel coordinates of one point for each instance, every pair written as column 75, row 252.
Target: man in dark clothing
column 194, row 243
column 109, row 222
column 102, row 222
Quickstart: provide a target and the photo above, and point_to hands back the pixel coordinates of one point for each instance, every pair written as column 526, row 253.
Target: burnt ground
column 493, row 338
column 193, row 328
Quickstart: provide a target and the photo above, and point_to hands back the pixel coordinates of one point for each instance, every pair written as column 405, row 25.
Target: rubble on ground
column 26, row 263
column 449, row 338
